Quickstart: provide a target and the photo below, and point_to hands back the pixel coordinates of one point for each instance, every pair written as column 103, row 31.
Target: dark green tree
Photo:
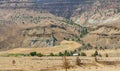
column 96, row 53
column 33, row 53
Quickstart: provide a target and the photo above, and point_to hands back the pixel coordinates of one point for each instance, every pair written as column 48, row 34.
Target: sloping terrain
column 99, row 12
column 64, row 45
column 29, row 28
column 105, row 36
column 48, row 35
column 83, row 12
column 38, row 23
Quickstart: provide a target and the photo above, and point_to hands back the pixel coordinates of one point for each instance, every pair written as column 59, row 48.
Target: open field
column 55, row 64
column 110, row 52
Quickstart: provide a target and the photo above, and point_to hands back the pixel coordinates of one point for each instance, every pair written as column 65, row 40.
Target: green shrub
column 39, row 55
column 66, row 53
column 83, row 54
column 33, row 53
column 51, row 54
column 60, row 54
column 71, row 53
column 96, row 53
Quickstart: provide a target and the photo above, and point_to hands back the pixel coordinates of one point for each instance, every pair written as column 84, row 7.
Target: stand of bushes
column 65, row 53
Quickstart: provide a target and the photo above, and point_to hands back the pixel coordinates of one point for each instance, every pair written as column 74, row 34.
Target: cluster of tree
column 65, row 53
column 88, row 46
column 71, row 53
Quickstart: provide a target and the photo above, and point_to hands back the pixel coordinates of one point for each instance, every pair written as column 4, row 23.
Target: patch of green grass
column 12, row 55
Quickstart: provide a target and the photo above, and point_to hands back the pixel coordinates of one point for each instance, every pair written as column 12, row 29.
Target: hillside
column 29, row 28
column 38, row 23
column 104, row 36
column 99, row 12
column 83, row 12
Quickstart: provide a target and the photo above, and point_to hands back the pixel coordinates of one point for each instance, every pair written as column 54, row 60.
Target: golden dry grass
column 65, row 45
column 53, row 64
column 110, row 52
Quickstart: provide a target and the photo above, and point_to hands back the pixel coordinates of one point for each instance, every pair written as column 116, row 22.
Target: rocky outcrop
column 45, row 36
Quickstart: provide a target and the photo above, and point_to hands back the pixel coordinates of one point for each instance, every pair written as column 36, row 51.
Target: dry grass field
column 110, row 52
column 55, row 64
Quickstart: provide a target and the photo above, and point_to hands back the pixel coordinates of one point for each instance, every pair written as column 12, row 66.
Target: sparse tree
column 66, row 53
column 78, row 61
column 66, row 63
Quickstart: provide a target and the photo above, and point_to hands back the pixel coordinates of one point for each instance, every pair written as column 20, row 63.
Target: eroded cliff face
column 99, row 12
column 48, row 35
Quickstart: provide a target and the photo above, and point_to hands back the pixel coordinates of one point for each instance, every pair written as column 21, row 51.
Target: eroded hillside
column 29, row 28
column 104, row 36
column 43, row 23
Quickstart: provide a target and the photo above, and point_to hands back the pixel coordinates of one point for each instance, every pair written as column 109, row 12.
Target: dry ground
column 110, row 52
column 55, row 63
column 65, row 45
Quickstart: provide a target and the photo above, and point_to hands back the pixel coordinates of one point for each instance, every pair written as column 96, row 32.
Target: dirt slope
column 65, row 45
